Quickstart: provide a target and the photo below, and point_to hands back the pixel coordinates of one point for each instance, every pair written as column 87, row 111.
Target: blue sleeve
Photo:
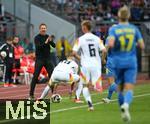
column 139, row 37
column 111, row 33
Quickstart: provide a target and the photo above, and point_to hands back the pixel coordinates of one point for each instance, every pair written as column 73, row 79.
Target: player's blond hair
column 124, row 13
column 87, row 23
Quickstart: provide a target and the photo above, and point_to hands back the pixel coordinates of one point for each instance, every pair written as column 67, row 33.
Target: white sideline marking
column 71, row 108
column 93, row 94
column 83, row 106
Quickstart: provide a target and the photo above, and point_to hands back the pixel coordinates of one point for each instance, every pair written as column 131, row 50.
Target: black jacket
column 42, row 50
column 9, row 49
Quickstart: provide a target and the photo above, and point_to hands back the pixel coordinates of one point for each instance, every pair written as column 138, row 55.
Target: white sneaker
column 106, row 100
column 91, row 109
column 125, row 113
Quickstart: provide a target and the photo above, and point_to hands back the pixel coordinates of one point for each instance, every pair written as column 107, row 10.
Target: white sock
column 126, row 105
column 45, row 92
column 79, row 90
column 86, row 94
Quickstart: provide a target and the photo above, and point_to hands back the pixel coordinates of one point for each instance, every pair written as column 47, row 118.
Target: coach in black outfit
column 43, row 58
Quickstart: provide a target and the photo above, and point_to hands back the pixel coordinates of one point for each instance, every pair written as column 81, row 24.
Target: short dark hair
column 42, row 24
column 9, row 38
column 87, row 23
column 15, row 36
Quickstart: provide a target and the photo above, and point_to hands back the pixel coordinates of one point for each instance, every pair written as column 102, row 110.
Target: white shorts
column 62, row 76
column 91, row 74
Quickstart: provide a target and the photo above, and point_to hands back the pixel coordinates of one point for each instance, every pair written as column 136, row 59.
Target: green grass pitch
column 68, row 112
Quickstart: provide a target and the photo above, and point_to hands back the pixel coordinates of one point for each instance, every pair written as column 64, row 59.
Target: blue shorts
column 110, row 68
column 126, row 75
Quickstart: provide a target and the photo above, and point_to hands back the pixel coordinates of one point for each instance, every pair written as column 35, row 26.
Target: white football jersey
column 89, row 46
column 68, row 65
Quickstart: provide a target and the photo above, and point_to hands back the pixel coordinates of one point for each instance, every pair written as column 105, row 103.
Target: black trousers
column 39, row 63
column 8, row 72
column 17, row 66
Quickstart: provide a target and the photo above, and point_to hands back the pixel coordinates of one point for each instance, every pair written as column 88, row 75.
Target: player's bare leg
column 54, row 88
column 71, row 90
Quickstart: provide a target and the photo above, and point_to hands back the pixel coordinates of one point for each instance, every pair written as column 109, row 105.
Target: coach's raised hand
column 48, row 40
